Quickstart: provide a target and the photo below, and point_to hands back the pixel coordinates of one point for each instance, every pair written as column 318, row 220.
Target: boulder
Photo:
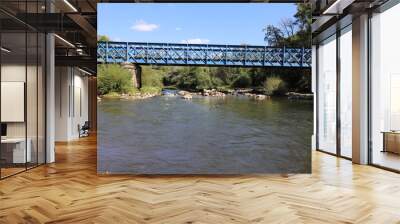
column 260, row 97
column 182, row 92
column 187, row 97
column 212, row 92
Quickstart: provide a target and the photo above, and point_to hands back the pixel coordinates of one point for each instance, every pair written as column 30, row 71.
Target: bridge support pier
column 136, row 74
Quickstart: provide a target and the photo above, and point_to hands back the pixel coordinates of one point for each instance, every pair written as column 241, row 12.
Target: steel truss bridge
column 202, row 55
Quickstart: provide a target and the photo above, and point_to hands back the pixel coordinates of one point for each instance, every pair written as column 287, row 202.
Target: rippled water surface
column 205, row 135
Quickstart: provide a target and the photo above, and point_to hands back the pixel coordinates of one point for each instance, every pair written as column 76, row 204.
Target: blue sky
column 190, row 23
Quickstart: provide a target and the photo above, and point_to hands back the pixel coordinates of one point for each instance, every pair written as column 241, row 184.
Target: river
column 204, row 135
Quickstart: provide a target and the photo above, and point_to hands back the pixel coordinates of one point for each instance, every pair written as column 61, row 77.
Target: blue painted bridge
column 202, row 55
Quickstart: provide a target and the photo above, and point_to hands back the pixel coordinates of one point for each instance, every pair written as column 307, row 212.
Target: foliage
column 203, row 80
column 303, row 16
column 133, row 91
column 273, row 36
column 303, row 21
column 113, row 78
column 198, row 78
column 242, row 81
column 275, row 86
column 103, row 38
column 291, row 32
column 294, row 32
column 152, row 76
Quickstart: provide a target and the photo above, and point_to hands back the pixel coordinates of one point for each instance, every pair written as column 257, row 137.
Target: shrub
column 216, row 82
column 152, row 77
column 133, row 91
column 275, row 86
column 185, row 78
column 203, row 81
column 113, row 78
column 242, row 81
column 103, row 38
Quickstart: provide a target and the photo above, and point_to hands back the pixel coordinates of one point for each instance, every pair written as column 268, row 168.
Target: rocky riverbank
column 215, row 93
column 187, row 95
column 136, row 96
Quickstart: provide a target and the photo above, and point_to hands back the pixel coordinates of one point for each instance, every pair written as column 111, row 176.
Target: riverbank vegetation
column 115, row 79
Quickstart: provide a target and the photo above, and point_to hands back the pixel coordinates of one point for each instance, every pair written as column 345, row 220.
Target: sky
column 190, row 23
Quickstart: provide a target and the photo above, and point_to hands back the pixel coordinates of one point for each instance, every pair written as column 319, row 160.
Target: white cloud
column 178, row 28
column 143, row 26
column 195, row 41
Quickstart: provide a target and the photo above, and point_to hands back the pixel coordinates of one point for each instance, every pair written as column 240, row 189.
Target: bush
column 203, row 81
column 152, row 76
column 242, row 81
column 113, row 78
column 185, row 78
column 275, row 86
column 133, row 91
column 216, row 82
column 103, row 38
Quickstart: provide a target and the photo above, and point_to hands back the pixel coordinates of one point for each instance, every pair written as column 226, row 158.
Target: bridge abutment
column 136, row 74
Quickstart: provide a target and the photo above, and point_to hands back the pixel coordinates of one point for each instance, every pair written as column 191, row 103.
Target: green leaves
column 291, row 32
column 113, row 78
column 274, row 85
column 152, row 77
column 103, row 38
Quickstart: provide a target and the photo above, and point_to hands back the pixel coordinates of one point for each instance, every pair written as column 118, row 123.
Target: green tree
column 303, row 16
column 152, row 76
column 273, row 35
column 103, row 38
column 291, row 32
column 203, row 80
column 113, row 79
column 304, row 19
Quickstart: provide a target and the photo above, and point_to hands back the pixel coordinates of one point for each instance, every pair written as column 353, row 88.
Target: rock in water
column 187, row 97
column 260, row 97
column 182, row 92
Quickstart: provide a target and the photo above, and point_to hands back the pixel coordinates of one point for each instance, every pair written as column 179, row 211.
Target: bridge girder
column 202, row 55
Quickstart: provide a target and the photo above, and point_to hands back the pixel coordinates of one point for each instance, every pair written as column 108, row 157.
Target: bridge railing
column 200, row 54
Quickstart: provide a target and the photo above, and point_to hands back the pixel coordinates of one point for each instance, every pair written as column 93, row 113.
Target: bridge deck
column 202, row 55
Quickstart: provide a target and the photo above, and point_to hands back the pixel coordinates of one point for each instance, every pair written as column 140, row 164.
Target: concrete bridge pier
column 136, row 74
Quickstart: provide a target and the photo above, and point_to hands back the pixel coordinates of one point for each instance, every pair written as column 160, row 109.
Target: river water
column 205, row 135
